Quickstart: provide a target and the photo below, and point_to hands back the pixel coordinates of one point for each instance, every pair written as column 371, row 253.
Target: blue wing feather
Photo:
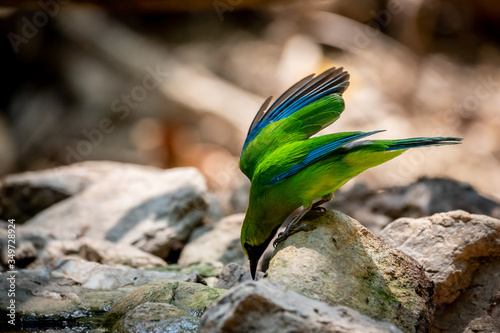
column 300, row 95
column 317, row 154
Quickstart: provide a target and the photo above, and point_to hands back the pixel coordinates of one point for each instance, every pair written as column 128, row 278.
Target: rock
column 233, row 274
column 450, row 246
column 375, row 209
column 264, row 306
column 206, row 269
column 100, row 251
column 26, row 253
column 24, row 195
column 73, row 290
column 96, row 276
column 29, row 245
column 460, row 252
column 340, row 262
column 192, row 298
column 477, row 309
column 209, row 272
column 222, row 244
column 35, row 250
column 164, row 209
column 157, row 317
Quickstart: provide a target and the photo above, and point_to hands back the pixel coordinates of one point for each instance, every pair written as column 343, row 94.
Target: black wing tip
column 445, row 141
column 333, row 74
column 452, row 138
column 341, row 78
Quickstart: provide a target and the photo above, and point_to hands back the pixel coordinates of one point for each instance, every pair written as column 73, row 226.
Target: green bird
column 288, row 169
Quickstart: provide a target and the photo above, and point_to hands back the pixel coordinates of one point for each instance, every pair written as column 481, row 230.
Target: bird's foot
column 324, row 199
column 282, row 236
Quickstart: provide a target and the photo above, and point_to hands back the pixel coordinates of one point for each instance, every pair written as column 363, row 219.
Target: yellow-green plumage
column 288, row 169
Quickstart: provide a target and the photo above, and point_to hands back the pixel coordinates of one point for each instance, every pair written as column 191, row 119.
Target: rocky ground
column 104, row 246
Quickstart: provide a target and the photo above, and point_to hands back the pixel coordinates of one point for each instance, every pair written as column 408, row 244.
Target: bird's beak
column 253, row 266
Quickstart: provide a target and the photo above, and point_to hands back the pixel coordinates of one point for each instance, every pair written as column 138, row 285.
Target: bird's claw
column 281, row 237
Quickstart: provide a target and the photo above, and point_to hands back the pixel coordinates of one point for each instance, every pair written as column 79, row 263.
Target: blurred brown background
column 176, row 83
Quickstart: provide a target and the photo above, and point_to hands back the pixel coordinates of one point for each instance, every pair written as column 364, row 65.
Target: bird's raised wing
column 303, row 110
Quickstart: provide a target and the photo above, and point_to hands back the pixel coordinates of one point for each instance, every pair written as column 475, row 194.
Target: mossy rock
column 340, row 262
column 157, row 317
column 193, row 298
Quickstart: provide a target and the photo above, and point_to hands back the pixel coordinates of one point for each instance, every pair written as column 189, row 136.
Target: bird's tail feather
column 421, row 142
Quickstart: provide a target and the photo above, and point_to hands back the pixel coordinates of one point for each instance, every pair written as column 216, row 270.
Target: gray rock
column 96, row 276
column 477, row 309
column 340, row 262
column 205, row 270
column 233, row 274
column 100, row 251
column 208, row 271
column 73, row 289
column 152, row 209
column 222, row 243
column 24, row 195
column 157, row 317
column 450, row 246
column 192, row 298
column 375, row 209
column 264, row 306
column 28, row 246
column 34, row 249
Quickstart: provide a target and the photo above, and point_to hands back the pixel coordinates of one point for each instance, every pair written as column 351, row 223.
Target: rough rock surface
column 460, row 252
column 100, row 251
column 209, row 272
column 34, row 249
column 222, row 244
column 73, row 289
column 340, row 262
column 157, row 317
column 263, row 306
column 233, row 274
column 450, row 246
column 193, row 298
column 24, row 195
column 427, row 196
column 152, row 209
column 477, row 309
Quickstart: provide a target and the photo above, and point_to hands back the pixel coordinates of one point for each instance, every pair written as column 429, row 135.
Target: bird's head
column 254, row 240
